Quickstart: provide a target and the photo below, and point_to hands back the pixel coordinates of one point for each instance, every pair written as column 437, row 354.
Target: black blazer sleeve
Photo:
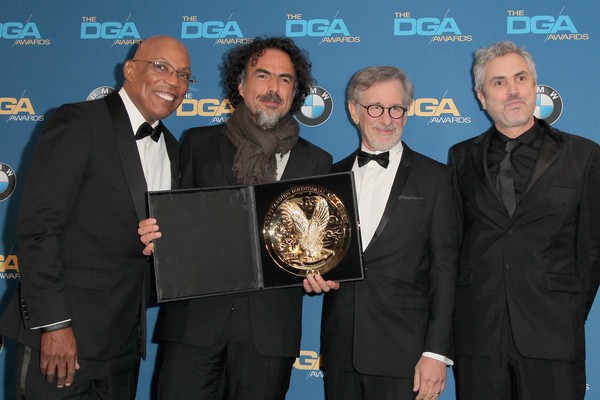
column 58, row 168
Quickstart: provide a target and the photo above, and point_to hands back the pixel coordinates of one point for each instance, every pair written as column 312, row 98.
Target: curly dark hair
column 237, row 60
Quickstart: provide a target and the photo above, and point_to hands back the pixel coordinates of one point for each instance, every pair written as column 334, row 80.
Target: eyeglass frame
column 404, row 110
column 181, row 75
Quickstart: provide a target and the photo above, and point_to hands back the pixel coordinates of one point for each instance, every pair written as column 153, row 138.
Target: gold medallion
column 307, row 230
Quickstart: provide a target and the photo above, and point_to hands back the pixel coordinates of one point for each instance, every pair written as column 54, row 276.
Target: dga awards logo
column 9, row 267
column 217, row 110
column 548, row 104
column 438, row 111
column 99, row 93
column 120, row 33
column 19, row 109
column 329, row 30
column 309, row 361
column 223, row 32
column 560, row 27
column 23, row 33
column 8, row 181
column 443, row 29
column 317, row 108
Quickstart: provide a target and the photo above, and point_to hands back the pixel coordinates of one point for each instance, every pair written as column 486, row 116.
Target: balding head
column 154, row 79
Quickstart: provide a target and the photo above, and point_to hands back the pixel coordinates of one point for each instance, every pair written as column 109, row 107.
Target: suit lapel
column 173, row 152
column 130, row 158
column 402, row 174
column 479, row 155
column 346, row 164
column 551, row 148
column 297, row 163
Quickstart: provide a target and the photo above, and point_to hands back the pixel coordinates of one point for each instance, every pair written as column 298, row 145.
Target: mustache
column 514, row 97
column 271, row 97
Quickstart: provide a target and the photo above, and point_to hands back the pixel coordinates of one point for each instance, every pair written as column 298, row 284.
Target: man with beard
column 529, row 265
column 250, row 339
column 84, row 284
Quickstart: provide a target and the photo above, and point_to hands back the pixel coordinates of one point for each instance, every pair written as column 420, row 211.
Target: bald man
column 84, row 282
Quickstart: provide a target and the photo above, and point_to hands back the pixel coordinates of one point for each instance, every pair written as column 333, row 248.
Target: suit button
column 507, row 266
column 510, row 232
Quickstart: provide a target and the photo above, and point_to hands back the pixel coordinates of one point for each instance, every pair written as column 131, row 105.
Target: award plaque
column 307, row 230
column 242, row 238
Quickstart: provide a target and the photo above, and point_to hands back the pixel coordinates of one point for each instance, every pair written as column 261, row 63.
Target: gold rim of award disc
column 307, row 230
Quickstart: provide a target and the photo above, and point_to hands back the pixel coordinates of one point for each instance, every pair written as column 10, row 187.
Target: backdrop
column 53, row 52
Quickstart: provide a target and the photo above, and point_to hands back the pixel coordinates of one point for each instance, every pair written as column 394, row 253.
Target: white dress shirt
column 373, row 187
column 153, row 155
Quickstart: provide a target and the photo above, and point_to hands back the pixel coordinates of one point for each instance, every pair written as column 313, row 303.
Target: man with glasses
column 84, row 282
column 390, row 336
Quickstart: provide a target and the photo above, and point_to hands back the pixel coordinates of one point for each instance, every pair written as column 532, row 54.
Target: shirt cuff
column 439, row 357
column 54, row 327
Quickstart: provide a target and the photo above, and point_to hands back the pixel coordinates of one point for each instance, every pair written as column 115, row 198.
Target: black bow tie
column 145, row 129
column 382, row 159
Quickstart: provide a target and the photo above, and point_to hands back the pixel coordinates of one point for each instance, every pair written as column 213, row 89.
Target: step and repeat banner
column 68, row 51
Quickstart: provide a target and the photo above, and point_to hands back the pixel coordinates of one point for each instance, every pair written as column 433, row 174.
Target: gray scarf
column 254, row 161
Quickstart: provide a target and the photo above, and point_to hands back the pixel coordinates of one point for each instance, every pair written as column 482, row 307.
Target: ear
column 481, row 98
column 241, row 89
column 128, row 70
column 353, row 112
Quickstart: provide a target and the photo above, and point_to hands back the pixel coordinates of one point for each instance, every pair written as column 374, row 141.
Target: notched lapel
column 130, row 158
column 173, row 152
column 479, row 154
column 550, row 150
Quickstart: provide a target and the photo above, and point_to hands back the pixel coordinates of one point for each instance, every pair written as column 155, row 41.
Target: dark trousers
column 349, row 385
column 232, row 364
column 114, row 379
column 507, row 375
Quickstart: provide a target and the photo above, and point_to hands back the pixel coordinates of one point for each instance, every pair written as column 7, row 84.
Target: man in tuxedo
column 390, row 336
column 529, row 264
column 249, row 339
column 84, row 284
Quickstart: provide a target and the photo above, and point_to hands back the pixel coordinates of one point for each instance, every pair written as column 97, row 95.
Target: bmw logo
column 8, row 181
column 317, row 108
column 100, row 92
column 548, row 104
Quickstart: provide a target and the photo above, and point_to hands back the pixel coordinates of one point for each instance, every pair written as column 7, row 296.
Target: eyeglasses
column 164, row 68
column 376, row 111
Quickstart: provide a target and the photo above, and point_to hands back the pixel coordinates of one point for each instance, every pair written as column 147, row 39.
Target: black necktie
column 382, row 159
column 145, row 129
column 504, row 180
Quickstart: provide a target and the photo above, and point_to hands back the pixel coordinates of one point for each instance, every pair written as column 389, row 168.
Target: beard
column 267, row 119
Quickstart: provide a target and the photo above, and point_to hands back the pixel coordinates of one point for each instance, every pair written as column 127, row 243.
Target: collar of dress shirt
column 135, row 116
column 394, row 151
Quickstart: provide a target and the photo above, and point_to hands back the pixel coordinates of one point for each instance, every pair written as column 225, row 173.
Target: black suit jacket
column 206, row 161
column 80, row 255
column 382, row 325
column 539, row 268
